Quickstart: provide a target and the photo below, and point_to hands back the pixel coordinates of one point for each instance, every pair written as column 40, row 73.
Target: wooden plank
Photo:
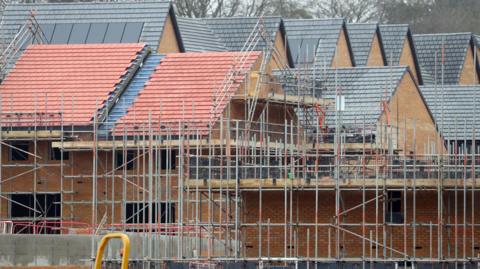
column 78, row 145
column 105, row 145
column 119, row 144
column 352, row 147
column 305, row 100
column 290, row 100
column 30, row 134
column 325, row 182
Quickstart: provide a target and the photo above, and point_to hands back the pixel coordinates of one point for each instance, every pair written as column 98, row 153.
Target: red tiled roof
column 83, row 76
column 183, row 87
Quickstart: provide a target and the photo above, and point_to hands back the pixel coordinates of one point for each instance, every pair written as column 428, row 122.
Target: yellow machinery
column 103, row 244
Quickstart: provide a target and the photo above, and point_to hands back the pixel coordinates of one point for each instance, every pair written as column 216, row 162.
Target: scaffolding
column 29, row 33
column 268, row 192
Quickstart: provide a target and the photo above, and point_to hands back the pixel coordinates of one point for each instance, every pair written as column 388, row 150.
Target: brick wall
column 77, row 182
column 302, row 210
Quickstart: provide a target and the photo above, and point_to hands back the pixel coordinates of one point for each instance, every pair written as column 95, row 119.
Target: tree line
column 424, row 16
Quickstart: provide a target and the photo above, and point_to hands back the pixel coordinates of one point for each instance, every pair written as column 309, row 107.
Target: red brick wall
column 303, row 211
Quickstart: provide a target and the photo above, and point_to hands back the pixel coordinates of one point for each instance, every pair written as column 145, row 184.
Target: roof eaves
column 283, row 32
column 414, row 55
column 349, row 45
column 173, row 17
column 382, row 49
column 465, row 53
column 474, row 45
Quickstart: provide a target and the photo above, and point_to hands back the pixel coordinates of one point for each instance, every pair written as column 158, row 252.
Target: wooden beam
column 325, row 182
column 305, row 101
column 119, row 144
column 352, row 147
column 30, row 134
column 105, row 145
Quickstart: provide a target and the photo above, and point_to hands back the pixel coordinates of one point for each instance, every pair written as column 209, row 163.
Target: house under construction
column 231, row 143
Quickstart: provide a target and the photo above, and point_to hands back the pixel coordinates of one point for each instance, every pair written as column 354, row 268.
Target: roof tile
column 198, row 37
column 455, row 109
column 393, row 38
column 234, row 31
column 48, row 77
column 182, row 89
column 429, row 47
column 361, row 37
column 364, row 89
column 313, row 40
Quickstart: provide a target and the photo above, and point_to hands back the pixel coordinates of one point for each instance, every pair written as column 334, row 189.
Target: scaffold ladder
column 30, row 32
column 224, row 93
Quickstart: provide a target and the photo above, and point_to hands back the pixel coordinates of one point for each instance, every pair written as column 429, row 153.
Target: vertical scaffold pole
column 94, row 180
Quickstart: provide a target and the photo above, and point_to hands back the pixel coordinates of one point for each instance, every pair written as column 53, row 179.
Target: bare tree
column 433, row 16
column 255, row 7
column 228, row 8
column 221, row 8
column 351, row 10
column 289, row 9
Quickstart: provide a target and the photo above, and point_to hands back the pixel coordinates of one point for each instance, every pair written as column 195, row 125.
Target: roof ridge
column 210, row 53
column 394, row 24
column 444, row 34
column 369, row 67
column 240, row 17
column 363, row 23
column 449, row 86
column 314, row 19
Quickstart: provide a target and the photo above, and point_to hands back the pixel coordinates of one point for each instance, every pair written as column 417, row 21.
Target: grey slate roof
column 234, row 31
column 429, row 47
column 364, row 89
column 313, row 40
column 393, row 39
column 198, row 37
column 460, row 106
column 361, row 37
column 151, row 13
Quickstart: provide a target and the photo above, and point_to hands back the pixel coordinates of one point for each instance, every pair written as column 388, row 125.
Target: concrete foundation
column 76, row 250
